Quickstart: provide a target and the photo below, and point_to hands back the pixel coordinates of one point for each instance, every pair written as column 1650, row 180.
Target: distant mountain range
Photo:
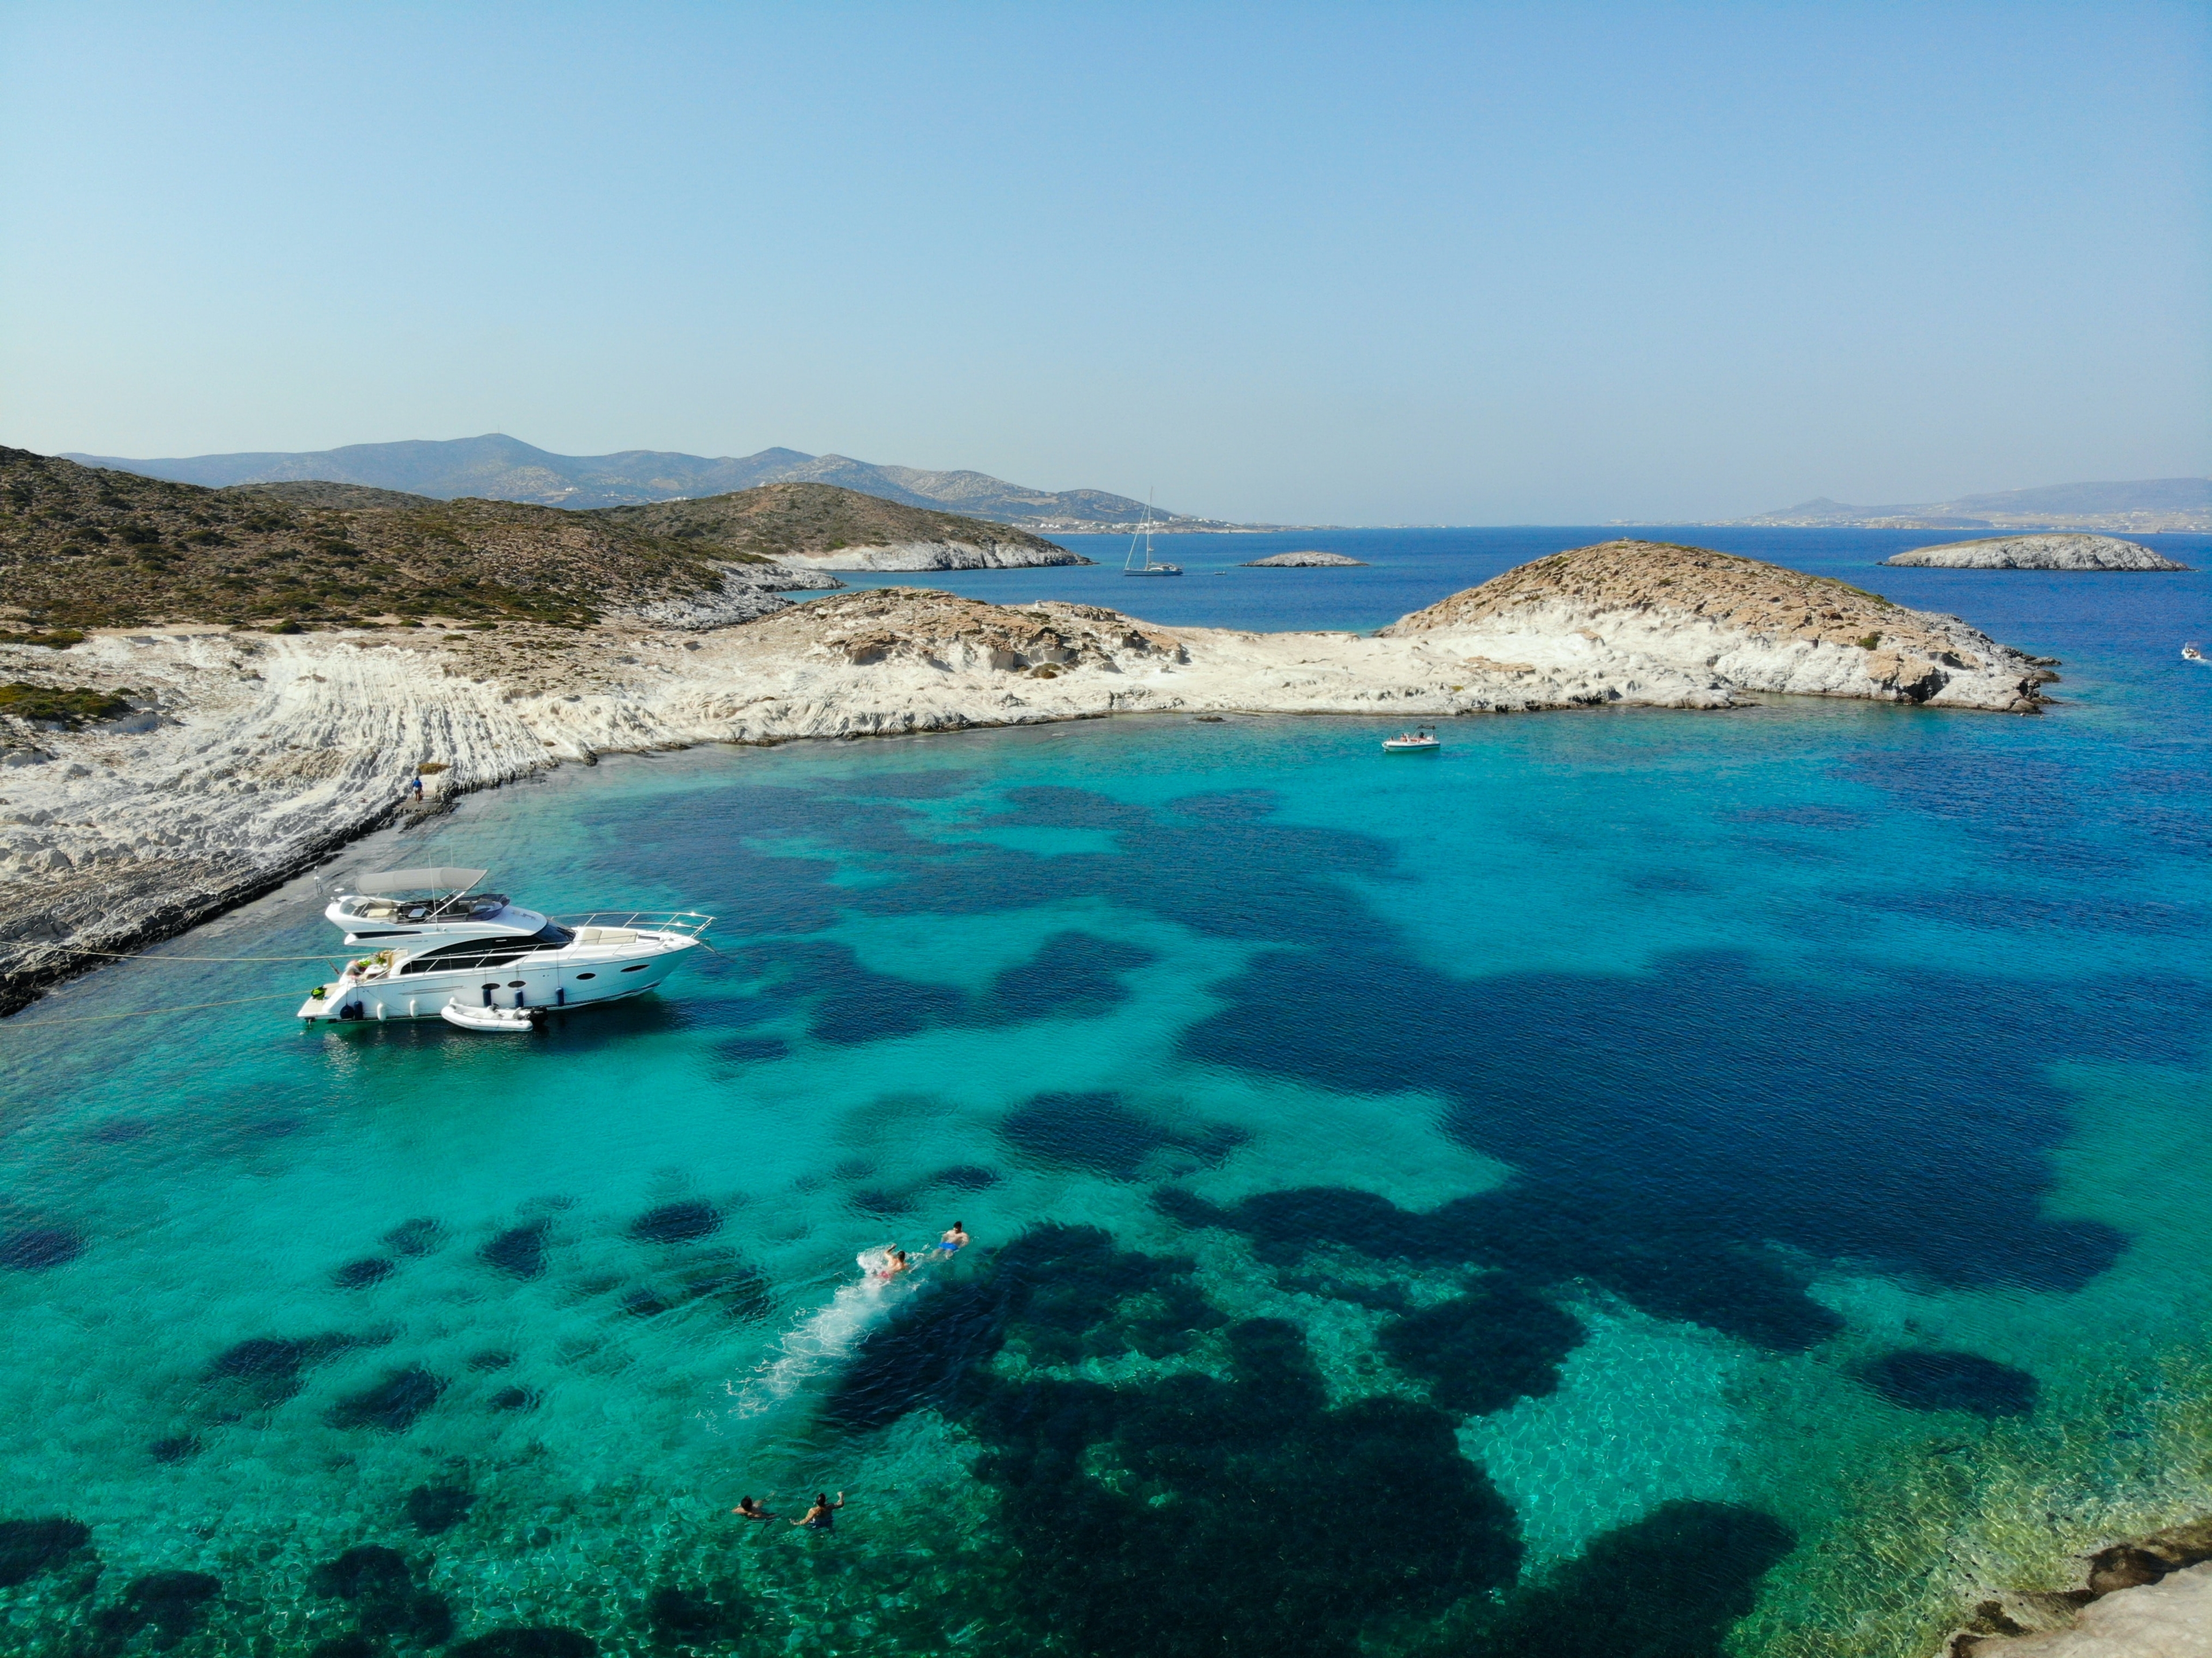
column 2150, row 505
column 498, row 467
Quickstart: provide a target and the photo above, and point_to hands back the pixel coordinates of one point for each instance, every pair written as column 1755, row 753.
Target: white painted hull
column 549, row 979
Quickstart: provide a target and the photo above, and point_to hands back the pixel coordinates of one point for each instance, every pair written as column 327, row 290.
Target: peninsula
column 176, row 762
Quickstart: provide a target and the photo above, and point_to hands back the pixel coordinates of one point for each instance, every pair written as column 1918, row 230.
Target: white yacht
column 433, row 941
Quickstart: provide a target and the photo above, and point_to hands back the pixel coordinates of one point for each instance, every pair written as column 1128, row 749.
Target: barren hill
column 1757, row 626
column 837, row 528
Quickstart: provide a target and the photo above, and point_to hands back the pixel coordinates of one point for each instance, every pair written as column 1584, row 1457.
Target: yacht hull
column 550, row 979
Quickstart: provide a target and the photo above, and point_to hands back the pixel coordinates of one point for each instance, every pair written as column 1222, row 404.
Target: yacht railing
column 641, row 920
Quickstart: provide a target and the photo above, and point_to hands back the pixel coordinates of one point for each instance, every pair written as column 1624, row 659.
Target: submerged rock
column 393, row 1405
column 519, row 1251
column 1670, row 1583
column 434, row 1509
column 35, row 1248
column 369, row 1570
column 683, row 1616
column 677, row 1223
column 381, row 1585
column 30, row 1547
column 1095, row 1132
column 169, row 1603
column 520, row 1642
column 2062, row 551
column 1480, row 1352
column 263, row 1371
column 1922, row 1381
column 360, row 1274
column 414, row 1237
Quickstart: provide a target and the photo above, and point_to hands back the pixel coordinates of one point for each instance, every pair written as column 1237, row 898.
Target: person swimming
column 954, row 1240
column 823, row 1516
column 750, row 1509
column 894, row 1262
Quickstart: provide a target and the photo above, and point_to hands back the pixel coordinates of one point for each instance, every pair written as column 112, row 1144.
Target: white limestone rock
column 2170, row 1619
column 938, row 556
column 1306, row 561
column 2064, row 551
column 748, row 592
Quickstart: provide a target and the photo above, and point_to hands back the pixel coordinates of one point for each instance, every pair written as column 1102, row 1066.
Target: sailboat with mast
column 1148, row 565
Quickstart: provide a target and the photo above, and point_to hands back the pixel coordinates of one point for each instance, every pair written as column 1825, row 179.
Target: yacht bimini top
column 435, row 940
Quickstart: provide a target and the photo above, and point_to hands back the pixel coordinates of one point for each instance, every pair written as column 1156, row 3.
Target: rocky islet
column 2062, row 551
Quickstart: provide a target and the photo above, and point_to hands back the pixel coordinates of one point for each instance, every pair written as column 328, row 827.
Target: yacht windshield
column 486, row 952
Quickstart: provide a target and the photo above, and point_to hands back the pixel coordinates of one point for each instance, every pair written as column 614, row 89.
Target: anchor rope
column 143, row 1013
column 149, row 955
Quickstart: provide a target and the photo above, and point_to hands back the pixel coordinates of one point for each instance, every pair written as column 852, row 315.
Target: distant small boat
column 2190, row 653
column 1420, row 740
column 1132, row 566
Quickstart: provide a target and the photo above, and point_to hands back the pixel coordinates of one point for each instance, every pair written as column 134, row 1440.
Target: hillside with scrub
column 806, row 520
column 81, row 547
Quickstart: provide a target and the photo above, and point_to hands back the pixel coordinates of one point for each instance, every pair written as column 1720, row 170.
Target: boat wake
column 824, row 1339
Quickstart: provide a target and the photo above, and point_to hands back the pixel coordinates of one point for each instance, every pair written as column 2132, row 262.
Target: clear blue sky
column 1358, row 263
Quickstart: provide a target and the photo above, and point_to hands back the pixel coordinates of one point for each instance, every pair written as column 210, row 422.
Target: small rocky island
column 1306, row 561
column 2065, row 551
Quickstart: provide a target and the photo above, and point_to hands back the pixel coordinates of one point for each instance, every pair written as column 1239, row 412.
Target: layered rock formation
column 914, row 555
column 248, row 755
column 2065, row 551
column 1742, row 623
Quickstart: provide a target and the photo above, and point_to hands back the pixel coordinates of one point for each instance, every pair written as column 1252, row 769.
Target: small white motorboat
column 1420, row 740
column 2190, row 653
column 512, row 1020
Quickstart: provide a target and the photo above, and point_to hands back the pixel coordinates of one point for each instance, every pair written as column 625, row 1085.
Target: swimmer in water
column 750, row 1509
column 894, row 1262
column 823, row 1516
column 954, row 1240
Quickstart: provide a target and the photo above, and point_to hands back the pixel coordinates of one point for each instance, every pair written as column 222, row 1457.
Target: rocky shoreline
column 937, row 556
column 249, row 756
column 2151, row 1596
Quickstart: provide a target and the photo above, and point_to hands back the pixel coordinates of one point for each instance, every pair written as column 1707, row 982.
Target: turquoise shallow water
column 1741, row 1175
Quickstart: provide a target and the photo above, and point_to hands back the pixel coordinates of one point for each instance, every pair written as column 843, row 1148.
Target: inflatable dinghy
column 509, row 1019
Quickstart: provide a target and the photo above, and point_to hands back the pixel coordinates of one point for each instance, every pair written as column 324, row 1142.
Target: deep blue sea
column 1673, row 1182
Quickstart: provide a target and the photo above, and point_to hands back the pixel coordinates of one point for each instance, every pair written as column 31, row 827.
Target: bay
column 1739, row 1174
